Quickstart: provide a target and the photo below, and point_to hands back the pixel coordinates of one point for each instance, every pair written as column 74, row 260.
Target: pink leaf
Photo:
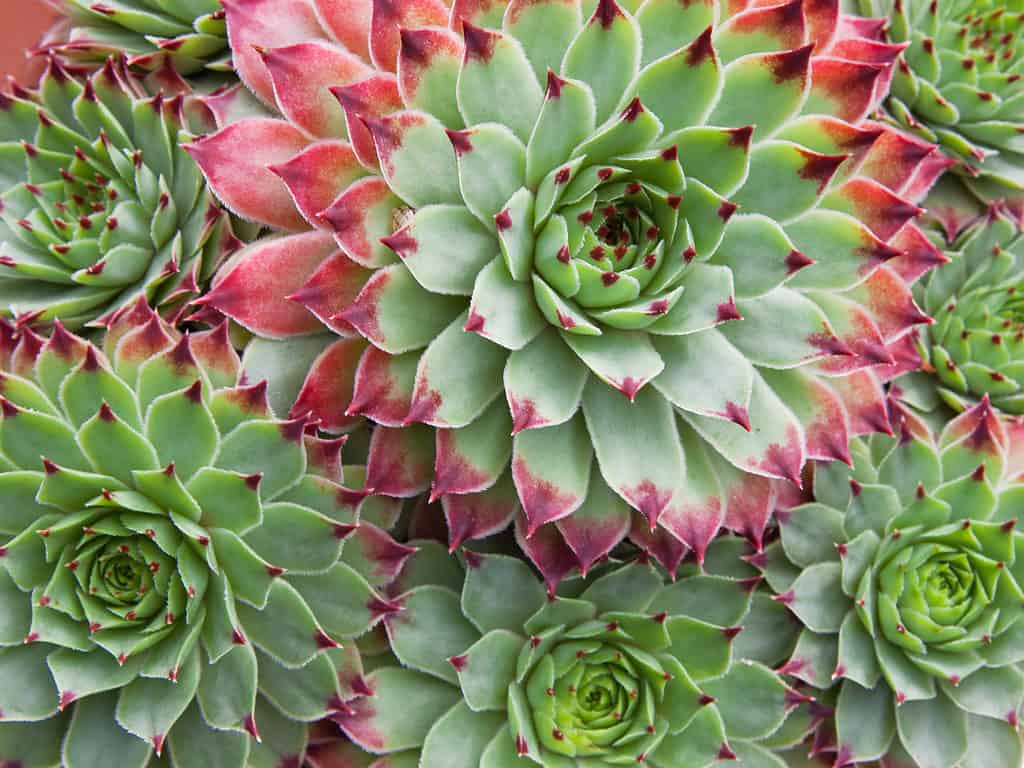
column 317, row 175
column 391, row 15
column 255, row 291
column 235, row 162
column 328, row 387
column 302, row 75
column 349, row 22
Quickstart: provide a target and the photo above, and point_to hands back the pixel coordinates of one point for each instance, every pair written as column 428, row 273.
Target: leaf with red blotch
column 360, row 216
column 328, row 387
column 862, row 393
column 917, row 253
column 551, row 468
column 383, row 386
column 979, row 429
column 236, row 160
column 890, row 302
column 843, row 88
column 349, row 22
column 428, row 69
column 375, row 555
column 389, row 16
column 697, row 510
column 749, row 500
column 472, row 458
column 818, row 408
column 882, row 211
column 637, row 446
column 254, row 293
column 774, row 447
column 258, row 24
column 659, row 544
column 479, row 515
column 317, row 175
column 548, row 551
column 543, row 383
column 856, row 328
column 331, row 288
column 401, row 461
column 601, row 522
column 301, row 75
column 372, row 97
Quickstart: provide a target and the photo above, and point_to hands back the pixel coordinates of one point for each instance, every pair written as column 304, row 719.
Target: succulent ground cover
column 975, row 348
column 656, row 307
column 619, row 670
column 99, row 202
column 171, row 571
column 959, row 83
column 906, row 573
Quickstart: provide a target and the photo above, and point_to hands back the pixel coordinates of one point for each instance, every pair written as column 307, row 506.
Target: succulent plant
column 975, row 348
column 619, row 670
column 99, row 204
column 906, row 574
column 644, row 291
column 191, row 34
column 170, row 580
column 959, row 83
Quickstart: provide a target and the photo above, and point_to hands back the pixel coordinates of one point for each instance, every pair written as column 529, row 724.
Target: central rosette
column 941, row 591
column 586, row 697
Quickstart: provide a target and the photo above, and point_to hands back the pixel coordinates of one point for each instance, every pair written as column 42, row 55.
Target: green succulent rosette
column 190, row 34
column 975, row 347
column 99, row 204
column 171, row 581
column 487, row 671
column 906, row 573
column 566, row 295
column 960, row 84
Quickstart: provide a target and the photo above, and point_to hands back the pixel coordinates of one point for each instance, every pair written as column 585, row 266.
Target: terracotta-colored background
column 22, row 23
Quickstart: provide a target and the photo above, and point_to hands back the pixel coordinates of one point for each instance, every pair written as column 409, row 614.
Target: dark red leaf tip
column 323, row 640
column 479, row 42
column 633, row 110
column 555, row 85
column 460, row 141
column 106, row 414
column 459, row 662
column 606, row 13
column 194, row 393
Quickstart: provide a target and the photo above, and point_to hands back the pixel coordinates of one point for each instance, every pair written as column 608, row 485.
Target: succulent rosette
column 171, row 572
column 618, row 670
column 562, row 292
column 976, row 346
column 906, row 574
column 959, row 83
column 190, row 34
column 99, row 204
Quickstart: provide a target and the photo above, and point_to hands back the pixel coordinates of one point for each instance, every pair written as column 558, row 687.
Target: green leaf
column 90, row 385
column 865, row 721
column 516, row 239
column 488, row 668
column 625, row 360
column 989, row 692
column 295, row 538
column 991, row 742
column 148, row 707
column 501, row 593
column 545, row 30
column 629, row 589
column 453, row 397
column 307, row 693
column 94, row 737
column 283, row 739
column 406, row 705
column 702, row 648
column 699, row 744
column 933, row 731
column 758, row 253
column 27, row 437
column 496, row 83
column 114, row 448
column 430, row 630
column 814, row 658
column 692, row 69
column 339, row 598
column 606, row 56
column 763, row 90
column 566, row 119
column 264, row 447
column 193, row 742
column 492, row 167
column 810, row 533
column 857, row 660
column 459, row 738
column 18, row 505
column 768, row 632
column 286, row 628
column 751, row 699
column 543, row 382
column 503, row 310
column 226, row 499
column 227, row 691
column 718, row 157
column 818, row 599
column 28, row 693
column 246, row 571
column 33, row 745
column 182, row 430
column 445, row 246
column 417, row 158
column 714, row 599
